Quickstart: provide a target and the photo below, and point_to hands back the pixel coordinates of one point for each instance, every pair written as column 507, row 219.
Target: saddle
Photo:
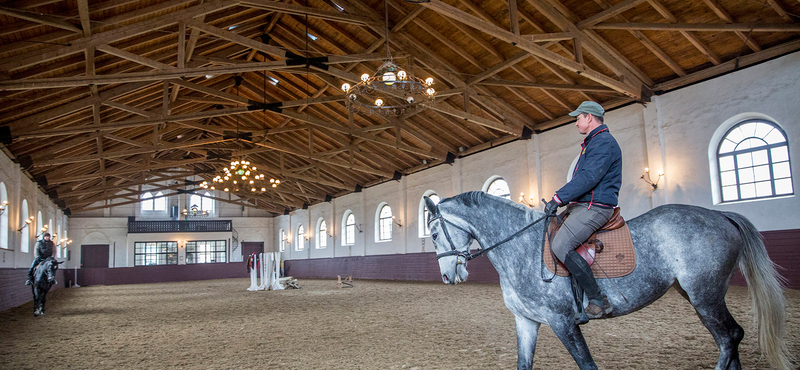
column 610, row 246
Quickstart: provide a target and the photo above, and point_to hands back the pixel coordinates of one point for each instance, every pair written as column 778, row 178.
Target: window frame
column 149, row 197
column 282, row 241
column 491, row 181
column 383, row 225
column 322, row 234
column 215, row 252
column 205, row 197
column 348, row 229
column 25, row 239
column 299, row 245
column 423, row 229
column 4, row 225
column 734, row 154
column 169, row 260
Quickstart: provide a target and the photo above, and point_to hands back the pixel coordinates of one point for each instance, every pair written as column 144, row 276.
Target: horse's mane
column 481, row 198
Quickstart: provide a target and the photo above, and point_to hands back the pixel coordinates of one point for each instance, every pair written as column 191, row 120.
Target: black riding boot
column 598, row 304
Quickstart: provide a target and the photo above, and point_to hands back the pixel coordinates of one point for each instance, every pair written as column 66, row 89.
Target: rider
column 44, row 249
column 590, row 197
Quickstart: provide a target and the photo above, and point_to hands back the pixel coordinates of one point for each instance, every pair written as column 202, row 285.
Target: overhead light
column 273, row 81
column 209, row 76
column 312, row 37
column 337, row 6
column 232, row 27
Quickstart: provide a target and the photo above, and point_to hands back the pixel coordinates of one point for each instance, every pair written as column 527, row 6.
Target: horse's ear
column 58, row 263
column 431, row 206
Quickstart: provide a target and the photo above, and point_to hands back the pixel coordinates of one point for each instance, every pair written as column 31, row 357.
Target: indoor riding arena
column 369, row 184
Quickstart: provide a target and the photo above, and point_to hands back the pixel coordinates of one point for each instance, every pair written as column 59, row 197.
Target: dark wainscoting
column 783, row 247
column 412, row 266
column 161, row 274
column 14, row 292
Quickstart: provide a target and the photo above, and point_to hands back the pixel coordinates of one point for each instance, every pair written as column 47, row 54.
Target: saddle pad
column 617, row 259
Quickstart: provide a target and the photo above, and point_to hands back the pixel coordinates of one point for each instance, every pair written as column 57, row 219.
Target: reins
column 468, row 256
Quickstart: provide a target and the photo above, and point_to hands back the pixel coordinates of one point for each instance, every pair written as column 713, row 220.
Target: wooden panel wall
column 14, row 292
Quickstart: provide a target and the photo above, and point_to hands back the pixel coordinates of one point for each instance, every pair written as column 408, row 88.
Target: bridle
column 465, row 254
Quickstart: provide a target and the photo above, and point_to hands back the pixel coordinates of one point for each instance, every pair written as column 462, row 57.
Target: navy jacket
column 598, row 174
column 44, row 248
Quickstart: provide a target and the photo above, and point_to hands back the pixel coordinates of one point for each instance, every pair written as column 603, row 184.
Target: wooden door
column 94, row 255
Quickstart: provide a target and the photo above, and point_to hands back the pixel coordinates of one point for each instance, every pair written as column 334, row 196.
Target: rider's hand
column 551, row 207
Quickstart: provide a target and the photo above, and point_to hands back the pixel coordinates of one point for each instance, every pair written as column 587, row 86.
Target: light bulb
column 378, row 102
column 234, row 181
column 274, row 185
column 346, row 87
column 364, row 77
column 389, row 78
column 429, row 81
column 430, row 91
column 263, row 189
column 226, row 189
column 272, row 181
column 402, row 75
column 251, row 182
column 277, row 181
column 253, row 190
column 244, row 177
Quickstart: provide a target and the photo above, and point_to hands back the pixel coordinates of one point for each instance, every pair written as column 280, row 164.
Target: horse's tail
column 766, row 291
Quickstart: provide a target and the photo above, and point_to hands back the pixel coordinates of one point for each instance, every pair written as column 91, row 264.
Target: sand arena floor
column 218, row 324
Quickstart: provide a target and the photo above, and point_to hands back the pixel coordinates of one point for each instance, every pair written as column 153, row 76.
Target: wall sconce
column 526, row 201
column 646, row 178
column 42, row 231
column 64, row 242
column 359, row 227
column 329, row 233
column 3, row 207
column 27, row 222
column 306, row 237
column 397, row 222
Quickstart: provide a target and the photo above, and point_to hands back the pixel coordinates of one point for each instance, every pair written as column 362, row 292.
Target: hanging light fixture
column 241, row 176
column 390, row 90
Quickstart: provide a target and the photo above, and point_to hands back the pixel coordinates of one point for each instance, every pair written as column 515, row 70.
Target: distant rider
column 44, row 249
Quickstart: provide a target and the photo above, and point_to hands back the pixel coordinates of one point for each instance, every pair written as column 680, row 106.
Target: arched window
column 39, row 225
column 753, row 159
column 384, row 223
column 153, row 202
column 4, row 217
column 56, row 238
column 498, row 187
column 203, row 202
column 300, row 239
column 25, row 240
column 423, row 213
column 282, row 241
column 349, row 228
column 322, row 234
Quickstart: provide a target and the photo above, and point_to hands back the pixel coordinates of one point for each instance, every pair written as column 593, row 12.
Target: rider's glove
column 551, row 207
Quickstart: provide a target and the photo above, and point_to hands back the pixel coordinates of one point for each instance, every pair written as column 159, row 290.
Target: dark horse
column 44, row 277
column 691, row 249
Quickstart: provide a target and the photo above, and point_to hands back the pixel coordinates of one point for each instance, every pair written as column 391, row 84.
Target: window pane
column 350, row 238
column 780, row 154
column 748, row 190
column 746, row 175
column 728, row 178
column 726, row 163
column 764, row 188
column 783, row 186
column 499, row 188
column 729, row 193
column 386, row 211
column 760, row 157
column 727, row 146
column 761, row 173
column 774, row 137
column 781, row 170
column 744, row 160
column 763, row 129
column 736, row 135
column 748, row 129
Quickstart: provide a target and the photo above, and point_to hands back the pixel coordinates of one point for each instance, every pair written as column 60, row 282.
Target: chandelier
column 241, row 177
column 390, row 90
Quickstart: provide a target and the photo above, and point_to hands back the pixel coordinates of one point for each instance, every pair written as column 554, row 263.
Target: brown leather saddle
column 611, row 246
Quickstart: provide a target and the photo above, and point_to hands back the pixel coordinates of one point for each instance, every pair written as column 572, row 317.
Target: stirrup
column 595, row 311
column 28, row 282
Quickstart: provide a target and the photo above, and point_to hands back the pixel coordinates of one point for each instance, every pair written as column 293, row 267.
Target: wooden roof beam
column 701, row 27
column 40, row 18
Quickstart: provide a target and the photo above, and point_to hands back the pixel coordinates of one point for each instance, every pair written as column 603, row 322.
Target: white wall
column 672, row 133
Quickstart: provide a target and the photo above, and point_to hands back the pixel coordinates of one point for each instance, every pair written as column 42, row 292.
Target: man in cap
column 44, row 249
column 590, row 196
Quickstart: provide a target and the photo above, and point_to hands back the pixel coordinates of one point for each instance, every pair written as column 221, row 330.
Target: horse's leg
column 527, row 332
column 714, row 315
column 571, row 337
column 36, row 301
column 44, row 299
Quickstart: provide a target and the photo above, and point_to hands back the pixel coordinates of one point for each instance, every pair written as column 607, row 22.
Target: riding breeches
column 578, row 227
column 36, row 261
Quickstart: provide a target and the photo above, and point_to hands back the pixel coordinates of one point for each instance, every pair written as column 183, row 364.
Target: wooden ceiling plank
column 309, row 11
column 40, row 18
column 545, row 86
column 533, row 48
column 701, row 27
column 720, row 11
column 608, row 13
column 75, row 46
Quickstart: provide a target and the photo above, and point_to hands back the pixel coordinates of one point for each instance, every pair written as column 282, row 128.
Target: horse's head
column 451, row 240
column 50, row 266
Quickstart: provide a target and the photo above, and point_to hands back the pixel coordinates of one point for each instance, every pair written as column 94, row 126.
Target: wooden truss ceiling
column 101, row 100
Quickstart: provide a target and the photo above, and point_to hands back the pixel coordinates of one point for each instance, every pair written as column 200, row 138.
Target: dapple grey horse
column 689, row 248
column 44, row 277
